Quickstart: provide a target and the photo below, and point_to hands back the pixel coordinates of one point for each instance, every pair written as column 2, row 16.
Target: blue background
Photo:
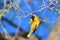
column 44, row 28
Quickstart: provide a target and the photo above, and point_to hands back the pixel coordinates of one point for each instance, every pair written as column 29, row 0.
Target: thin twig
column 35, row 11
column 27, row 5
column 17, row 28
column 4, row 30
column 44, row 3
column 4, row 3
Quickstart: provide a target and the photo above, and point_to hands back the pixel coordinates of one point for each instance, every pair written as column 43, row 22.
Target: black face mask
column 32, row 17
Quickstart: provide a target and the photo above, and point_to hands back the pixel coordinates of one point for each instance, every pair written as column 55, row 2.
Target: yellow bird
column 35, row 21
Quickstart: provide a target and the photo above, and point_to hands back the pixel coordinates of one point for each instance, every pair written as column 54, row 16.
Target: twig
column 17, row 29
column 35, row 11
column 27, row 5
column 4, row 3
column 4, row 30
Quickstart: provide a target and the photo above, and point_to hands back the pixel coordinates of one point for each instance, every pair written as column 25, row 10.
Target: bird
column 35, row 22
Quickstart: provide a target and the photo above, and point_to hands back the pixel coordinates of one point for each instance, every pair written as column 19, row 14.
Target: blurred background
column 16, row 14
